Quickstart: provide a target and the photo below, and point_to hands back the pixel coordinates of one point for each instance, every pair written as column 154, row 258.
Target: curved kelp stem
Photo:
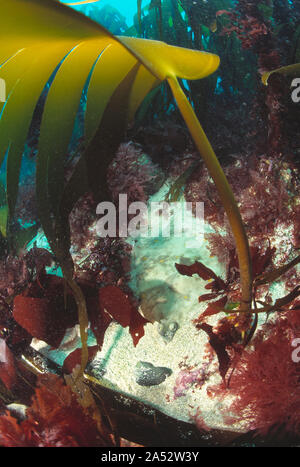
column 83, row 321
column 223, row 188
column 60, row 246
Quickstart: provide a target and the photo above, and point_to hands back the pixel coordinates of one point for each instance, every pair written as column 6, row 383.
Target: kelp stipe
column 223, row 188
column 186, row 67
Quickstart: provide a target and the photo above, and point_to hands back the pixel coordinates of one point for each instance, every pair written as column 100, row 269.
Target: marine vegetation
column 142, row 65
column 63, row 152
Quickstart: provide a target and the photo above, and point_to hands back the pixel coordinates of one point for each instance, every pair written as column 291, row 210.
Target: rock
column 157, row 302
column 167, row 330
column 147, row 374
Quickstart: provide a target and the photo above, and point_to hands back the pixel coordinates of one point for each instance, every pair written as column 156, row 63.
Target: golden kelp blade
column 40, row 35
column 26, row 23
column 290, row 70
column 167, row 61
column 36, row 36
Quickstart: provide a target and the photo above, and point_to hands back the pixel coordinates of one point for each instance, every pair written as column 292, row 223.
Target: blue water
column 127, row 8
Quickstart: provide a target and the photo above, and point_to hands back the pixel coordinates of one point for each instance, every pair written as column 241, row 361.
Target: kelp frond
column 289, row 70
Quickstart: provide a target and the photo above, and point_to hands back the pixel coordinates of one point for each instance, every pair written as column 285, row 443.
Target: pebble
column 167, row 330
column 147, row 374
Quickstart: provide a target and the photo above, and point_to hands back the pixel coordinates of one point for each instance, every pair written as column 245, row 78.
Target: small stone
column 147, row 374
column 97, row 367
column 167, row 330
